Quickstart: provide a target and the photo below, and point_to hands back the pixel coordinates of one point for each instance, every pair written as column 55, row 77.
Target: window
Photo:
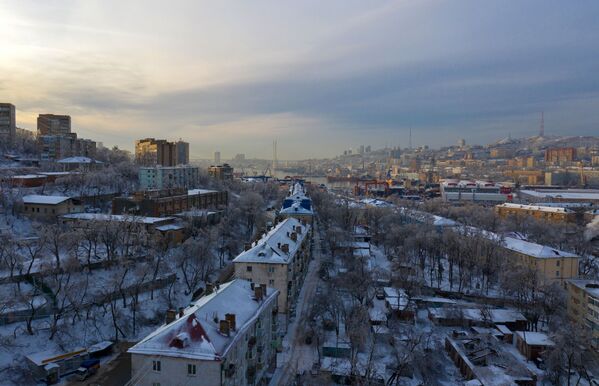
column 556, row 273
column 156, row 366
column 191, row 369
column 271, row 269
column 155, row 383
column 557, row 263
column 249, row 268
column 271, row 282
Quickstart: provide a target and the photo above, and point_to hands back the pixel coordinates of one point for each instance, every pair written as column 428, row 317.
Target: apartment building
column 560, row 155
column 8, row 123
column 546, row 213
column 153, row 152
column 55, row 147
column 279, row 260
column 583, row 305
column 52, row 124
column 221, row 172
column 167, row 177
column 550, row 263
column 225, row 338
column 168, row 202
column 297, row 204
column 182, row 152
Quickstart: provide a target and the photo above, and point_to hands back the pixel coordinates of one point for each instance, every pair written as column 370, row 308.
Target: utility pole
column 274, row 158
column 542, row 128
column 410, row 138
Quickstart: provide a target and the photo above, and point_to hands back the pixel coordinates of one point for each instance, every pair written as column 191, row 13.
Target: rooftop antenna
column 542, row 128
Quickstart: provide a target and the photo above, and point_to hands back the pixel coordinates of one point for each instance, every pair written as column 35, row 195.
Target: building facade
column 52, row 124
column 221, row 172
column 227, row 337
column 279, row 260
column 167, row 177
column 182, row 152
column 168, row 202
column 48, row 207
column 548, row 213
column 297, row 204
column 560, row 156
column 152, row 152
column 8, row 123
column 583, row 305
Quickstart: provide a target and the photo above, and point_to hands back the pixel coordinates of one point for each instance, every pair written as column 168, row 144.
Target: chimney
column 252, row 285
column 298, row 229
column 247, row 246
column 263, row 286
column 224, row 327
column 258, row 293
column 209, row 288
column 285, row 248
column 171, row 315
column 279, row 245
column 231, row 319
column 293, row 236
column 181, row 312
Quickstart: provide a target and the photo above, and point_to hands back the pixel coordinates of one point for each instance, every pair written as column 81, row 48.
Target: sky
column 317, row 76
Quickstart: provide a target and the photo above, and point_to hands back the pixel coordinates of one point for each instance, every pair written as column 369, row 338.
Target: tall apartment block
column 7, row 123
column 152, row 152
column 182, row 152
column 51, row 124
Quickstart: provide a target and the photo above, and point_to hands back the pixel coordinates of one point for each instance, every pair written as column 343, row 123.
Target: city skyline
column 231, row 77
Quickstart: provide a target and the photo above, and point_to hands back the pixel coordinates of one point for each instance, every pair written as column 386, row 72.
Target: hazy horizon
column 319, row 77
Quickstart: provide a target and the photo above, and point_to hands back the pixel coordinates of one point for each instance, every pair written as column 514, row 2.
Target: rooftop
column 197, row 329
column 591, row 287
column 269, row 249
column 535, row 338
column 117, row 218
column 551, row 209
column 44, row 200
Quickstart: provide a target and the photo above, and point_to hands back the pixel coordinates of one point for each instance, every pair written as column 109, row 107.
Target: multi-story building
column 167, row 177
column 551, row 264
column 217, row 157
column 55, row 147
column 560, row 155
column 583, row 305
column 152, row 152
column 182, row 152
column 8, row 123
column 49, row 207
column 550, row 213
column 221, row 172
column 227, row 337
column 52, row 124
column 279, row 260
column 478, row 191
column 297, row 204
column 166, row 202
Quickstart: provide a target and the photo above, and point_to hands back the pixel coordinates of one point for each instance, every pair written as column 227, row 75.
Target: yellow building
column 548, row 213
column 551, row 264
column 583, row 305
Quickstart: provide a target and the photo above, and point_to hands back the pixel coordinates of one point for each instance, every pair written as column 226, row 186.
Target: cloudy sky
column 319, row 76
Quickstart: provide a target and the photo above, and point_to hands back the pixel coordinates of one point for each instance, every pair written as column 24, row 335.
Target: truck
column 88, row 368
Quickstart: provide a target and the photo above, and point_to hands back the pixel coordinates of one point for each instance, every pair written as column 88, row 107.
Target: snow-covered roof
column 28, row 176
column 170, row 227
column 78, row 160
column 539, row 208
column 197, row 329
column 269, row 249
column 195, row 192
column 536, row 250
column 500, row 316
column 579, row 194
column 116, row 218
column 535, row 338
column 44, row 200
column 591, row 287
column 296, row 208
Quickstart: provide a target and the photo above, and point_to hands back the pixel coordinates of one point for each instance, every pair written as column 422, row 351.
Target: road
column 299, row 357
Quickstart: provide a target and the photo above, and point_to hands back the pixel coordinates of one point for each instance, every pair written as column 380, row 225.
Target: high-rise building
column 560, row 155
column 166, row 177
column 182, row 152
column 7, row 123
column 462, row 142
column 51, row 124
column 221, row 172
column 240, row 157
column 217, row 157
column 152, row 152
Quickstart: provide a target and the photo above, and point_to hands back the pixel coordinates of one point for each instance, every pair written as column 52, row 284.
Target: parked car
column 87, row 369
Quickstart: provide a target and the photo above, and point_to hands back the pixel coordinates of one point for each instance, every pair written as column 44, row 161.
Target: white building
column 297, row 204
column 225, row 338
column 280, row 260
column 167, row 177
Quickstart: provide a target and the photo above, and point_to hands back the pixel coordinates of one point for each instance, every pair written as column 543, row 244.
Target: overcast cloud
column 320, row 76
